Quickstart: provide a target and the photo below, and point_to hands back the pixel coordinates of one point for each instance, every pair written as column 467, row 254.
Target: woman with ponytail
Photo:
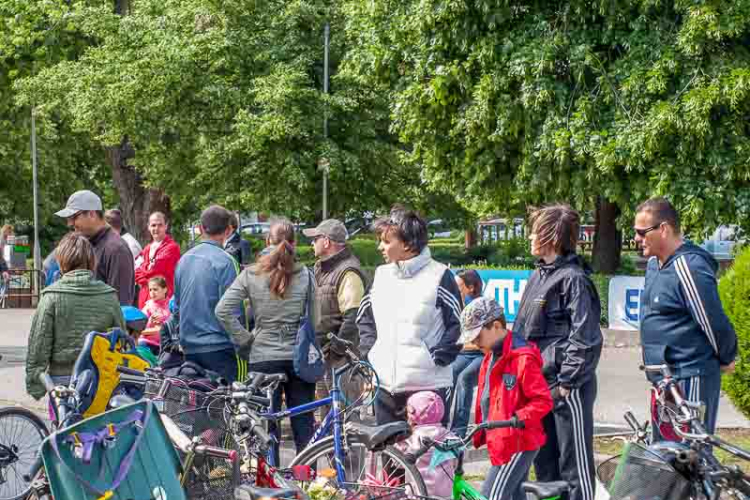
column 276, row 287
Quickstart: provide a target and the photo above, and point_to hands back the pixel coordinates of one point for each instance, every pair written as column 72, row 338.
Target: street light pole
column 37, row 251
column 326, row 36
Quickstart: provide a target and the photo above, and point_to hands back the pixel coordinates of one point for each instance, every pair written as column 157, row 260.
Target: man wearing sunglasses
column 683, row 323
column 114, row 261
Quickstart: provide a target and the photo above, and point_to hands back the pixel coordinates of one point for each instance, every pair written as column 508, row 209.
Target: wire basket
column 360, row 491
column 640, row 473
column 210, row 479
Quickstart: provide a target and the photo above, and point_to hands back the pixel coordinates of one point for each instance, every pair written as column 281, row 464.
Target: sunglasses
column 75, row 216
column 643, row 232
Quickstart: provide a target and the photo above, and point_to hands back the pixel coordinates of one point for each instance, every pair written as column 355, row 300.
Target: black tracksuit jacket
column 559, row 312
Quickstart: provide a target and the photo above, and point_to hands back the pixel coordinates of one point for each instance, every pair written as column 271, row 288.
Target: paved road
column 621, row 385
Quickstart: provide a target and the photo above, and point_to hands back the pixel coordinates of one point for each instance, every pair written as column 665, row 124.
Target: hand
column 728, row 368
column 564, row 392
column 6, row 276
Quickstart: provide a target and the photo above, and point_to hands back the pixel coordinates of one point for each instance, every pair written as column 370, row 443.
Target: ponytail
column 279, row 264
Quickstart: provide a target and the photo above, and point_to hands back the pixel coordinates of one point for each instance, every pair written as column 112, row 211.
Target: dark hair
column 557, row 225
column 406, row 225
column 662, row 211
column 502, row 321
column 99, row 213
column 215, row 220
column 280, row 262
column 114, row 218
column 160, row 281
column 472, row 281
column 75, row 252
column 234, row 222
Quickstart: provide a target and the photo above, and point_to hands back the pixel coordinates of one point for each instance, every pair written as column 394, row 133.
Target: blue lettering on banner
column 633, row 304
column 506, row 287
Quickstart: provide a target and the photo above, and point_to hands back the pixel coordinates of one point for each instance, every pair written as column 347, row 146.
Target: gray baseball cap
column 333, row 229
column 79, row 202
column 480, row 312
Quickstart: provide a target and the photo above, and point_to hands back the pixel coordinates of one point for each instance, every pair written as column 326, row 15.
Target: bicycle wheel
column 21, row 436
column 368, row 474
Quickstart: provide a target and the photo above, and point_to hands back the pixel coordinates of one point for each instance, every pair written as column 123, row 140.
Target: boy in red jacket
column 511, row 385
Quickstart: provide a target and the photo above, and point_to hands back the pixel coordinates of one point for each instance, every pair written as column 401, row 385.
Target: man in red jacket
column 511, row 386
column 159, row 258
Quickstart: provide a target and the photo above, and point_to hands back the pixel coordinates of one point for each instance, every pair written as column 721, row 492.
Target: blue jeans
column 465, row 379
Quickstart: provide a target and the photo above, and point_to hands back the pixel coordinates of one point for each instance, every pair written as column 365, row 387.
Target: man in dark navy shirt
column 683, row 323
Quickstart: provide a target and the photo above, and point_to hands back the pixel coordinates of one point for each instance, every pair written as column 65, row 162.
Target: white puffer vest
column 404, row 299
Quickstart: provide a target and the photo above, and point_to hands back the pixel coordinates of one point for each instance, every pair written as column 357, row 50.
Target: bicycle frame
column 332, row 420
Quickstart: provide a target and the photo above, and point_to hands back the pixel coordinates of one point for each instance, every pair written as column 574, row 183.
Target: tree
column 589, row 102
column 34, row 35
column 222, row 102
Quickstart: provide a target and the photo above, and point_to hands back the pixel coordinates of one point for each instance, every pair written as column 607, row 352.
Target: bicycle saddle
column 250, row 492
column 377, row 438
column 546, row 490
column 268, row 377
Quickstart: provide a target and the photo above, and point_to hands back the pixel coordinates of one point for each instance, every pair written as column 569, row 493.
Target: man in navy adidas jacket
column 683, row 323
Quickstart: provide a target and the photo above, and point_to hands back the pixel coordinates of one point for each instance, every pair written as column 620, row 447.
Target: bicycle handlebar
column 47, row 382
column 457, row 444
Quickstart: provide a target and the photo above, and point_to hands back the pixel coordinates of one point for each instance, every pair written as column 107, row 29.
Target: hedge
column 734, row 289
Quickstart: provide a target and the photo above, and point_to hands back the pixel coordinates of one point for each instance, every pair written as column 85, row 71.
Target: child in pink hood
column 425, row 410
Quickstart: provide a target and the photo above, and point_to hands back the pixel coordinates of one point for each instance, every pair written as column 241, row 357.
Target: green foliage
column 734, row 289
column 223, row 103
column 503, row 101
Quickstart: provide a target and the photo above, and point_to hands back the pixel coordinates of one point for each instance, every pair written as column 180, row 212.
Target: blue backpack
column 308, row 358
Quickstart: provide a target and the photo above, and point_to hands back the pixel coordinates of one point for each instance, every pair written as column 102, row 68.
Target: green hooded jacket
column 69, row 309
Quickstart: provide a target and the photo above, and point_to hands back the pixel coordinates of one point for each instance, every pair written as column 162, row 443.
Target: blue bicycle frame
column 332, row 420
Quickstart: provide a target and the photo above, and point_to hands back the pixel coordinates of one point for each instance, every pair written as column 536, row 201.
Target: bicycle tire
column 25, row 450
column 325, row 448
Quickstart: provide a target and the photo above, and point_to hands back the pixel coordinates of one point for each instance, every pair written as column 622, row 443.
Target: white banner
column 625, row 302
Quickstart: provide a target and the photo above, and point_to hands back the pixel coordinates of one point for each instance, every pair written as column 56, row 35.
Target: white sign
column 625, row 302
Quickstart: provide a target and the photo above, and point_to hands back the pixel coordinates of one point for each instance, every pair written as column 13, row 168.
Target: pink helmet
column 425, row 407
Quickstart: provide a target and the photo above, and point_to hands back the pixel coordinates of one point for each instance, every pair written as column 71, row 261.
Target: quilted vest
column 328, row 275
column 405, row 312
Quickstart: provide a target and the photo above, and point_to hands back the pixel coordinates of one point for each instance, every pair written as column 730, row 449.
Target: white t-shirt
column 153, row 248
column 135, row 247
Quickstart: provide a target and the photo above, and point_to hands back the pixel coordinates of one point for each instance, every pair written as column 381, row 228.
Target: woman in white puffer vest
column 409, row 322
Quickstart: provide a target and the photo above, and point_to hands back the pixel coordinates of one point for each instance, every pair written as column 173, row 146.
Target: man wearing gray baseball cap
column 114, row 261
column 341, row 284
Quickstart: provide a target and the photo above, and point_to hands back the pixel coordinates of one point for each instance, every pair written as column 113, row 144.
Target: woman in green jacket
column 69, row 309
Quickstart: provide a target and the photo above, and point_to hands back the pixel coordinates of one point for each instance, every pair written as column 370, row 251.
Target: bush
column 734, row 289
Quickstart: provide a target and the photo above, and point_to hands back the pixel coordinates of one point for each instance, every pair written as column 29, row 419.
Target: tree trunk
column 470, row 239
column 607, row 238
column 137, row 202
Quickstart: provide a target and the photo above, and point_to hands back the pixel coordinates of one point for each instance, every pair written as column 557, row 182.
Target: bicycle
column 348, row 455
column 674, row 470
column 462, row 488
column 21, row 434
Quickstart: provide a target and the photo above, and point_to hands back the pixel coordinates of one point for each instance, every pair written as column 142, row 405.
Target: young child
column 157, row 311
column 511, row 386
column 425, row 410
column 135, row 322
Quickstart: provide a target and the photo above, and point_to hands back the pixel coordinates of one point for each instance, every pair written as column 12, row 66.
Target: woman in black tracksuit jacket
column 560, row 311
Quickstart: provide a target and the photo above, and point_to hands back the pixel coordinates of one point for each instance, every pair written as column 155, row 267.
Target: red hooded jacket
column 518, row 388
column 164, row 264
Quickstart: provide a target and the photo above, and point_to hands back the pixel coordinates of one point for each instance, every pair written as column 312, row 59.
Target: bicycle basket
column 640, row 473
column 189, row 404
column 211, row 479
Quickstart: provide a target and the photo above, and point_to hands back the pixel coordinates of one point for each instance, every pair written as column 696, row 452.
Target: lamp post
column 324, row 163
column 37, row 251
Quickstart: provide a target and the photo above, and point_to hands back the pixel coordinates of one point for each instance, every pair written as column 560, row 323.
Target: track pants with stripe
column 503, row 482
column 568, row 454
column 704, row 388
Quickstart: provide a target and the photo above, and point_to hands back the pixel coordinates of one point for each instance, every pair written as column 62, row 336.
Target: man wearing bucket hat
column 114, row 261
column 511, row 387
